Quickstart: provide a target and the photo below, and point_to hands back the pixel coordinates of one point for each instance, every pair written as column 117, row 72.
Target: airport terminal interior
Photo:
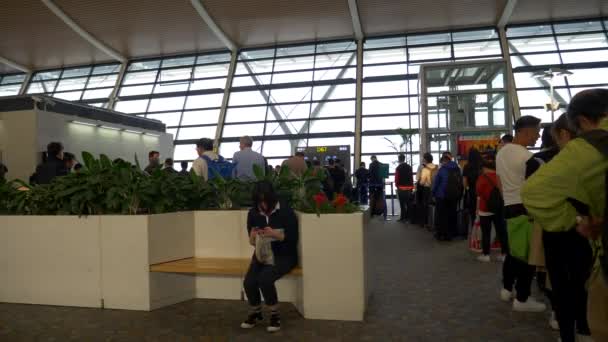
column 122, row 85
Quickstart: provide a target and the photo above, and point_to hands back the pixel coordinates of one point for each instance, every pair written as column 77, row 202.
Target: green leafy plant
column 105, row 187
column 405, row 145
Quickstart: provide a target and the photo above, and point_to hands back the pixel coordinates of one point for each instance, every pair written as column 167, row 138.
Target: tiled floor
column 423, row 291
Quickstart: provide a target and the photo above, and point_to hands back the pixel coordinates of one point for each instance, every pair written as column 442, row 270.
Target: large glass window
column 87, row 84
column 290, row 96
column 185, row 93
column 580, row 47
column 11, row 84
column 391, row 89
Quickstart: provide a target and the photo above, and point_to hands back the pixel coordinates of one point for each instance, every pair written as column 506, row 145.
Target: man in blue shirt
column 447, row 190
column 246, row 158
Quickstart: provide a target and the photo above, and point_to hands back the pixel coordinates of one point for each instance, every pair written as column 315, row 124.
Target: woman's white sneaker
column 483, row 258
column 553, row 321
column 531, row 305
column 506, row 295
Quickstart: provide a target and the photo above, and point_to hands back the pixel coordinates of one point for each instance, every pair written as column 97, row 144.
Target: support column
column 510, row 78
column 114, row 94
column 26, row 83
column 224, row 108
column 359, row 105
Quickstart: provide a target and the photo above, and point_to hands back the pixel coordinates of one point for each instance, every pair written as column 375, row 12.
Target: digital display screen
column 321, row 149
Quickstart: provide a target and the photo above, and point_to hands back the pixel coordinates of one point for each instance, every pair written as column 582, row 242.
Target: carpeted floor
column 423, row 291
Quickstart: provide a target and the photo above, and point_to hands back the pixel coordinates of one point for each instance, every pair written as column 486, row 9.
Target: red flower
column 320, row 198
column 340, row 201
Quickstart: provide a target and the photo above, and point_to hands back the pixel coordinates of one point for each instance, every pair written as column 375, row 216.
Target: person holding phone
column 273, row 230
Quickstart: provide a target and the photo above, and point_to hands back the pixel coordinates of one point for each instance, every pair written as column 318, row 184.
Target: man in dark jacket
column 153, row 162
column 54, row 165
column 376, row 188
column 447, row 190
column 362, row 176
column 404, row 181
column 337, row 175
column 3, row 171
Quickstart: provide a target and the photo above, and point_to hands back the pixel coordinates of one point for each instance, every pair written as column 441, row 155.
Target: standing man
column 338, row 176
column 168, row 167
column 511, row 163
column 204, row 147
column 577, row 175
column 362, row 176
column 447, row 190
column 246, row 158
column 54, row 165
column 153, row 162
column 296, row 164
column 184, row 170
column 404, row 181
column 3, row 171
column 376, row 188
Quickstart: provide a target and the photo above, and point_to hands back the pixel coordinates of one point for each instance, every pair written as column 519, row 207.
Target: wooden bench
column 210, row 266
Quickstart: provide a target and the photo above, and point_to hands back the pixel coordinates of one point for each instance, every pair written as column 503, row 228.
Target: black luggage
column 462, row 223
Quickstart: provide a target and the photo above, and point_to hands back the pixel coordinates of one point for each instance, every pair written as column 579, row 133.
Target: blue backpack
column 219, row 167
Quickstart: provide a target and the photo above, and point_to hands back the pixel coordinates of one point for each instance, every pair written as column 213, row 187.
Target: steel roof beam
column 202, row 12
column 14, row 65
column 507, row 11
column 354, row 14
column 83, row 33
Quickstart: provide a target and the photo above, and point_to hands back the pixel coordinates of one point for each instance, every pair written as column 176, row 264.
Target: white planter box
column 221, row 234
column 333, row 254
column 130, row 244
column 52, row 260
column 105, row 261
column 95, row 261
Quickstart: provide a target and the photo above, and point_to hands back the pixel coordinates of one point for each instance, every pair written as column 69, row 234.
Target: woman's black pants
column 261, row 277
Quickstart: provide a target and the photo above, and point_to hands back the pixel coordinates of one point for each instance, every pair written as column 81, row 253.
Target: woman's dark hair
column 591, row 103
column 428, row 157
column 489, row 160
column 564, row 124
column 507, row 138
column 489, row 163
column 264, row 192
column 546, row 139
column 474, row 158
column 54, row 148
column 67, row 157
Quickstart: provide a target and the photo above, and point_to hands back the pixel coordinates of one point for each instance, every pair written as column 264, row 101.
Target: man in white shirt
column 511, row 170
column 246, row 158
column 204, row 147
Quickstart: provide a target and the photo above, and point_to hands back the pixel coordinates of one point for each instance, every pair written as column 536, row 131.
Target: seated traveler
column 273, row 230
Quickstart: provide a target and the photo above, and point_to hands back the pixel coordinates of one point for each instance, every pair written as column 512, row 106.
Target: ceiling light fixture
column 83, row 123
column 111, row 128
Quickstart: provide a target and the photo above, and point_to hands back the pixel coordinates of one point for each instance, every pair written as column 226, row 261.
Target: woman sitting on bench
column 273, row 230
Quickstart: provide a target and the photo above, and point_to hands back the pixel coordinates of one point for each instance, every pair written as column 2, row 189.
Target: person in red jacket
column 486, row 182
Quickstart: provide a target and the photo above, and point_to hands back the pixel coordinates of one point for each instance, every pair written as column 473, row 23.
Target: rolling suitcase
column 462, row 223
column 431, row 217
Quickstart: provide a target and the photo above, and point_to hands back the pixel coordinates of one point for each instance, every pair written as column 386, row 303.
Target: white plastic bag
column 263, row 249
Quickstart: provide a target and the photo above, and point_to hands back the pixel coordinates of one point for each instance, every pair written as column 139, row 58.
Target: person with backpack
column 447, row 190
column 490, row 210
column 209, row 164
column 568, row 196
